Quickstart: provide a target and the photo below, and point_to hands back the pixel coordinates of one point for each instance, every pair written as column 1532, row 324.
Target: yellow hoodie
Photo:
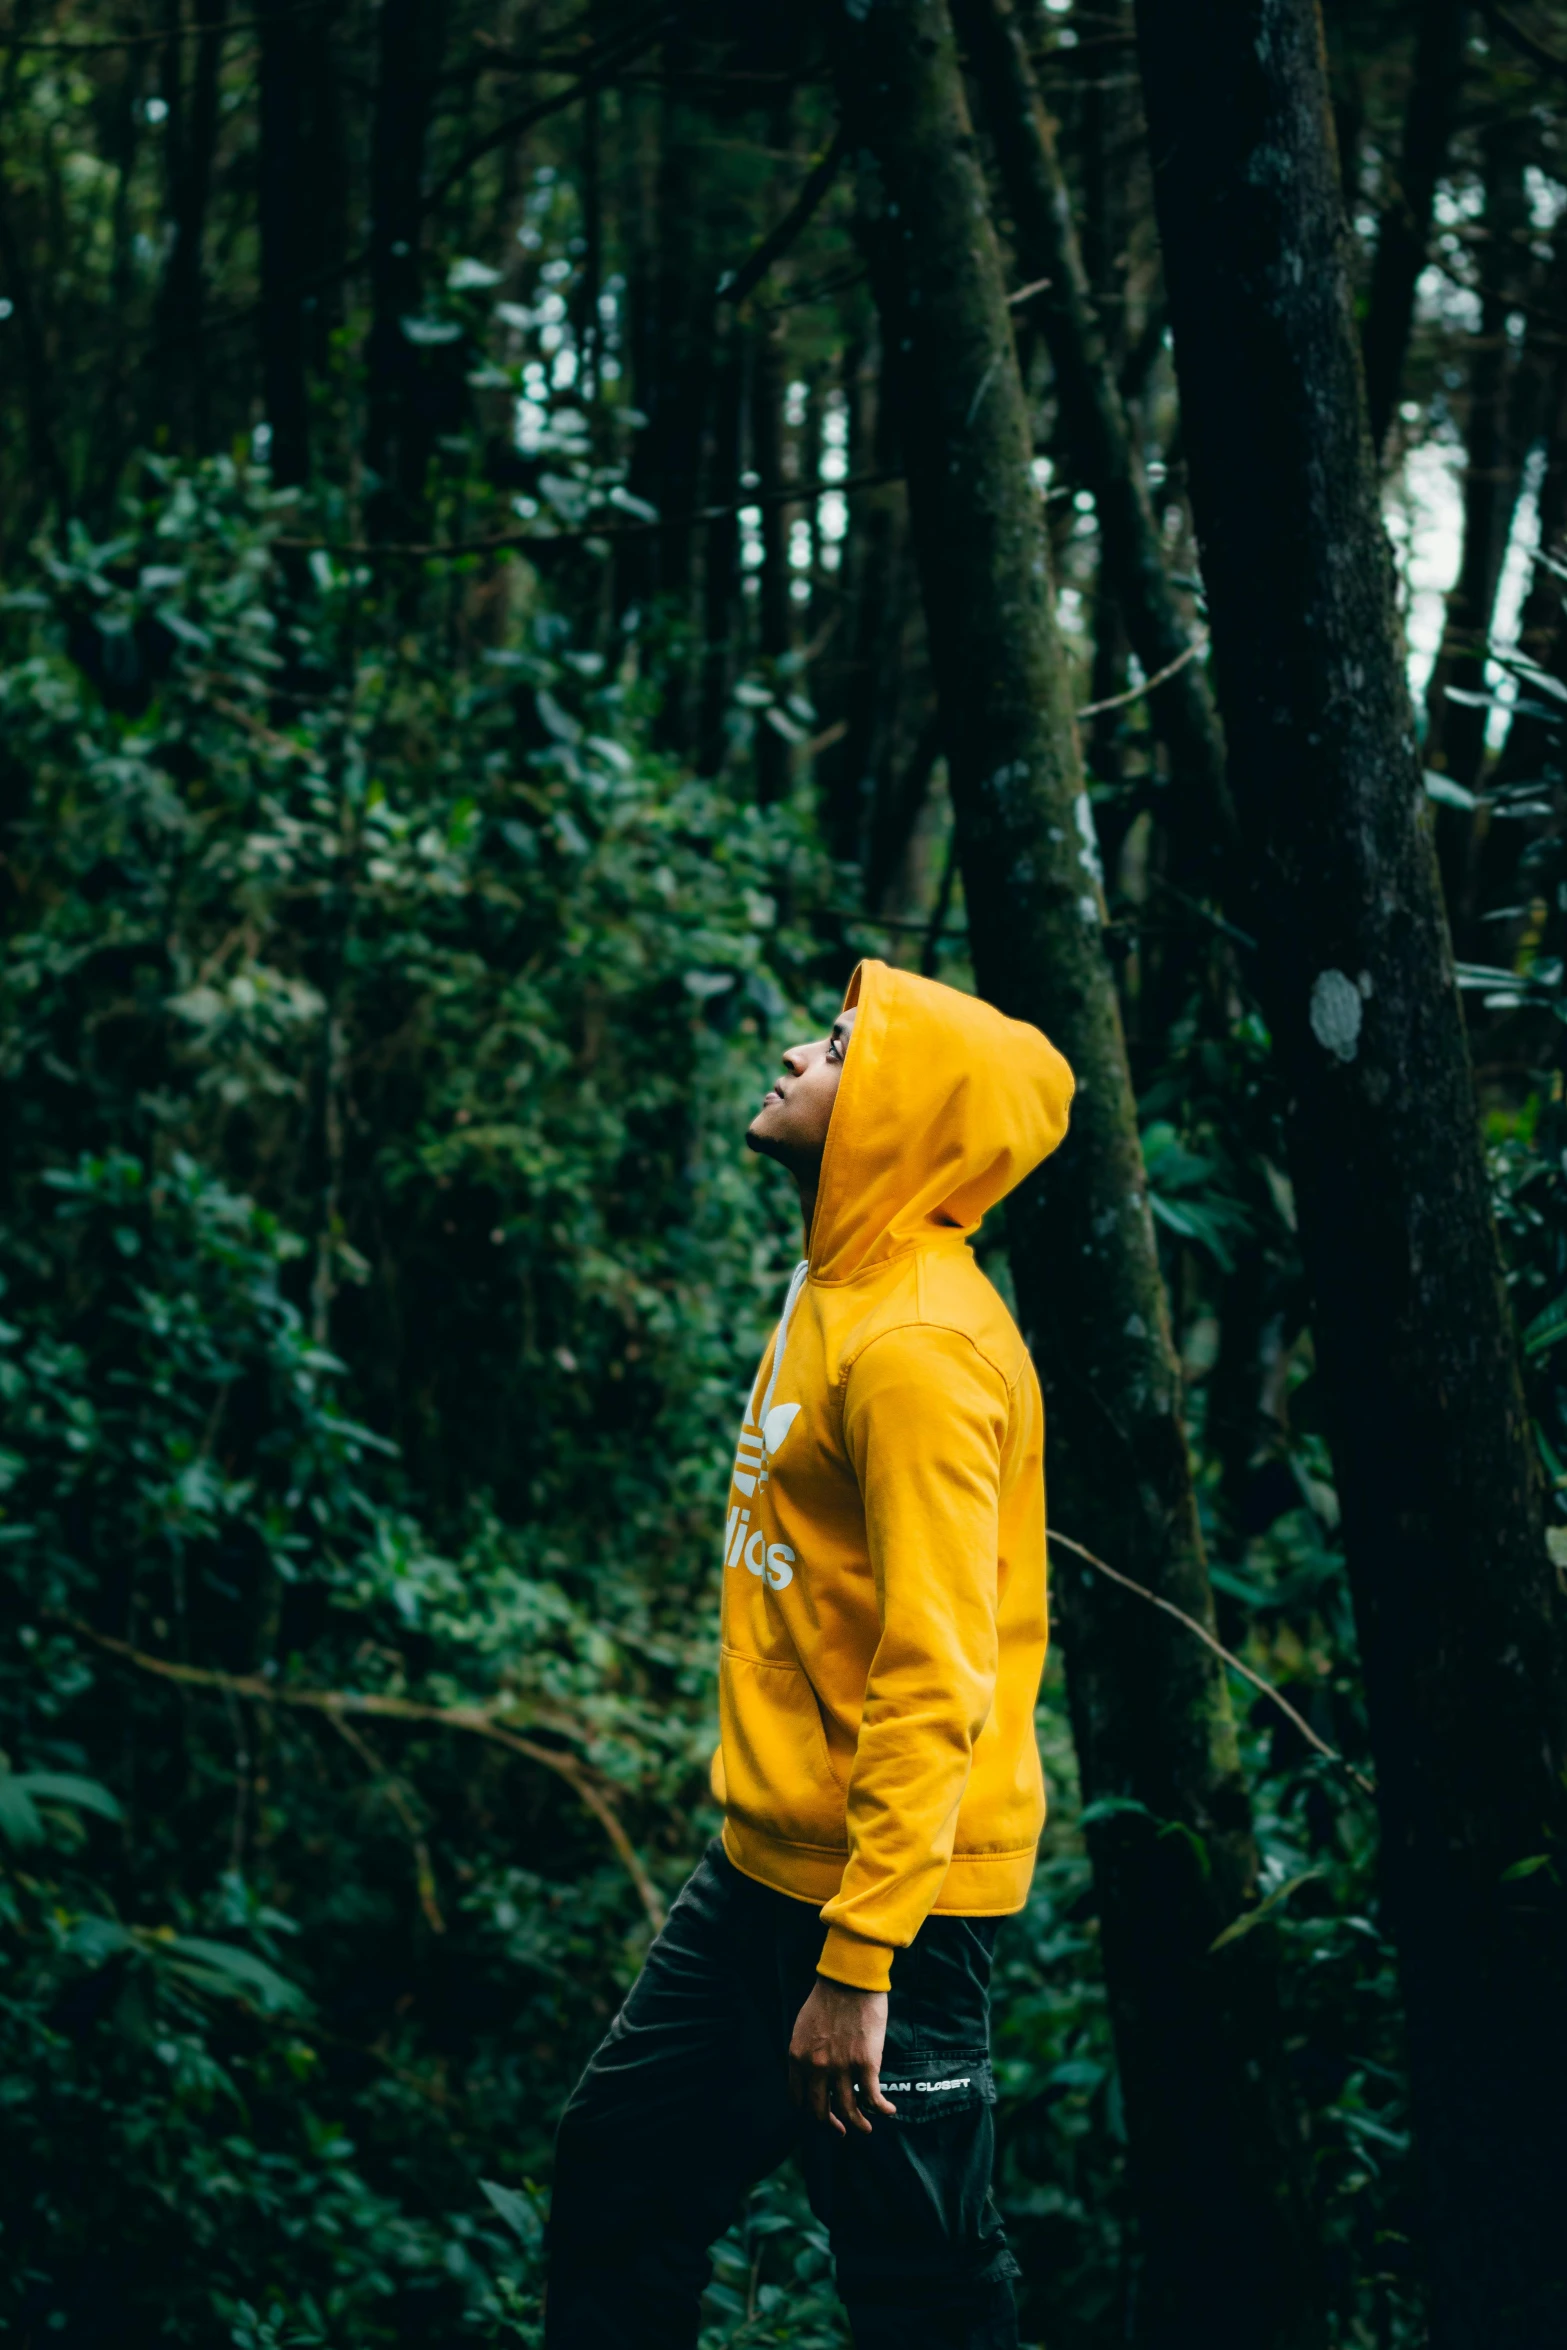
column 884, row 1619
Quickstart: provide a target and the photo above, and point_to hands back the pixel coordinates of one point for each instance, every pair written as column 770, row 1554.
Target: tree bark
column 722, row 609
column 284, row 241
column 1542, row 636
column 675, row 284
column 869, row 690
column 1494, row 451
column 1224, row 2243
column 1093, row 414
column 776, row 630
column 1404, row 229
column 192, row 139
column 1460, row 1615
column 399, row 433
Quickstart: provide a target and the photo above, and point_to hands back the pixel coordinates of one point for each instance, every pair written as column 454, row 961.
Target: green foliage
column 352, row 1013
column 382, row 1279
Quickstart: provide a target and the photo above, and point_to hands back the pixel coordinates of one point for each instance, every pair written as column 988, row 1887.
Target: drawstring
column 796, row 1284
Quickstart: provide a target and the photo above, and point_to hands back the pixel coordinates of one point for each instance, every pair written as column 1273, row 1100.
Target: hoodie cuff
column 850, row 1959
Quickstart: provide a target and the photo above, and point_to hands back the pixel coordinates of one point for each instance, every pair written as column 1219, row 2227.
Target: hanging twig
column 397, row 1796
column 159, row 39
column 241, row 1784
column 584, row 1782
column 777, row 241
column 616, row 55
column 1135, row 693
column 1549, row 60
column 799, row 493
column 1274, row 1696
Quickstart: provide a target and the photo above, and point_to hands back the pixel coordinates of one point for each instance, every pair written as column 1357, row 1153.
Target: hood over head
column 943, row 1107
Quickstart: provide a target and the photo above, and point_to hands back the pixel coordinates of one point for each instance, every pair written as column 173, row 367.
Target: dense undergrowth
column 382, row 1278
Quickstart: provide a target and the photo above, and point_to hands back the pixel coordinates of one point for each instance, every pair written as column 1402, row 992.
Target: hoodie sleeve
column 924, row 1419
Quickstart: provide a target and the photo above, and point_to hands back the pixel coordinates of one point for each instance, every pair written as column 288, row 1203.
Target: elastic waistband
column 976, row 1885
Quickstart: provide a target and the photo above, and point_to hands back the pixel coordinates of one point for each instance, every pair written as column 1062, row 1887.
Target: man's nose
column 794, row 1059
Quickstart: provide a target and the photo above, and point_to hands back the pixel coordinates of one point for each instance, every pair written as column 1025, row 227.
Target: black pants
column 684, row 2107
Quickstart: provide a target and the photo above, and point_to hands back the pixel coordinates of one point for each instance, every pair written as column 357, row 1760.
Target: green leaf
column 1526, row 1868
column 1254, row 1917
column 237, row 1973
column 94, row 1939
column 22, row 1823
column 1451, row 794
column 1108, row 1806
column 517, row 2211
column 1547, row 1329
column 68, row 1787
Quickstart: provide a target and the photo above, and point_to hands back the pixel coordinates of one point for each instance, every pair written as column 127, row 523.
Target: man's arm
column 924, row 1419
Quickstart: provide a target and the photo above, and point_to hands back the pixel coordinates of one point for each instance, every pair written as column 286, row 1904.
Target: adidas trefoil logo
column 757, row 1445
column 744, row 1544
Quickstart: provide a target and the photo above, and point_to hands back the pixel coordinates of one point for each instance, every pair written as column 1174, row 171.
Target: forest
column 533, row 537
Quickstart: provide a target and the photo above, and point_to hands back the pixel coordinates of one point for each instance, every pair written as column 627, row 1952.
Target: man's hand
column 838, row 2038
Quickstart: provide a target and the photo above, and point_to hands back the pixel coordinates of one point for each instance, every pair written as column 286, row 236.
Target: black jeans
column 684, row 2106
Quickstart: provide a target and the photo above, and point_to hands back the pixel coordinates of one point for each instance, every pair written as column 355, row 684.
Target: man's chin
column 758, row 1138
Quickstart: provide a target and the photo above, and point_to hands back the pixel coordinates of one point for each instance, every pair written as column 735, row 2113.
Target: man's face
column 791, row 1125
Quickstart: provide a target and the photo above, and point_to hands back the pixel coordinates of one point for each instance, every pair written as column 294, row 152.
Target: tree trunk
column 1541, row 634
column 767, row 461
column 874, row 628
column 399, row 432
column 1093, row 415
column 1106, row 223
column 1500, row 851
column 43, row 447
column 1460, row 1616
column 1213, row 2149
column 285, row 241
column 114, row 431
column 591, row 283
column 722, row 609
column 1405, row 226
column 1493, row 474
column 192, row 144
column 675, row 283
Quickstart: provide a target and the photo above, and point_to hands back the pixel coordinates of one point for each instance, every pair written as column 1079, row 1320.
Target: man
column 822, row 1985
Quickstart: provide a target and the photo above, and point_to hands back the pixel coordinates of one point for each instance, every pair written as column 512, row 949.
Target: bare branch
column 777, row 241
column 586, row 1784
column 798, row 493
column 1274, row 1696
column 397, row 1796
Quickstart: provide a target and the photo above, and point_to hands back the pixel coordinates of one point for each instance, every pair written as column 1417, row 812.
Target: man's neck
column 807, row 1187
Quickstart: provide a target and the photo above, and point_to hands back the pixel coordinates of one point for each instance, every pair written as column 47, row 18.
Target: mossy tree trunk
column 1094, row 422
column 402, row 390
column 1225, row 2248
column 1404, row 230
column 1461, row 1618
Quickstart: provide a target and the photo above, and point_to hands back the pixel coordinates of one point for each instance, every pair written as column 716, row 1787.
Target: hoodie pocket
column 778, row 1777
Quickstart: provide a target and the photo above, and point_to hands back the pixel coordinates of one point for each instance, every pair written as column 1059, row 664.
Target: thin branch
column 1548, row 60
column 1135, row 693
column 158, row 40
column 777, row 241
column 584, row 1782
column 1274, row 1696
column 241, row 1783
column 799, row 493
column 616, row 56
column 397, row 1796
